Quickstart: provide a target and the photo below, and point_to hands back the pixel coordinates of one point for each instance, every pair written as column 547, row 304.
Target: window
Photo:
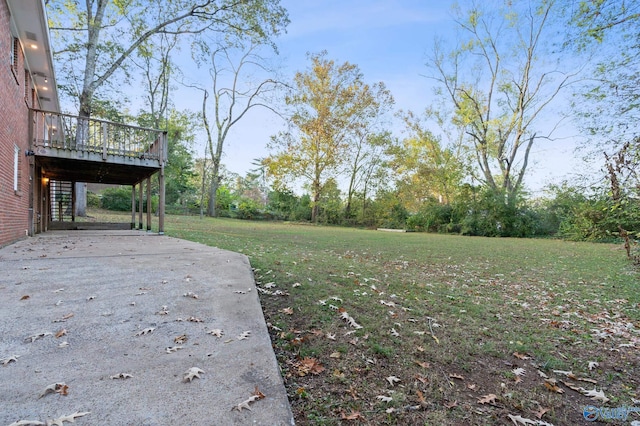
column 16, row 166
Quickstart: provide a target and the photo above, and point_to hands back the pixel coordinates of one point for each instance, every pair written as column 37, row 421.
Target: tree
column 234, row 94
column 328, row 104
column 498, row 81
column 94, row 40
column 425, row 168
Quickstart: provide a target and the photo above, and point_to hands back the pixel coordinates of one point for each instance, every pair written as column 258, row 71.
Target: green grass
column 460, row 306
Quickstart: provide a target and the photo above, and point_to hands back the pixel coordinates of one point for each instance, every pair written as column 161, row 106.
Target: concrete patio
column 87, row 309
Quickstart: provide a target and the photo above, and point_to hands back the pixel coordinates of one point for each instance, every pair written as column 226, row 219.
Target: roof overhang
column 29, row 24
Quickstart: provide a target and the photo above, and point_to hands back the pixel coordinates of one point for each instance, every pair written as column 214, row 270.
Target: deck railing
column 69, row 132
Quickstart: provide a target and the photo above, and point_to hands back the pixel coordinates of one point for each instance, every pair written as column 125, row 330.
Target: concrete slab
column 117, row 300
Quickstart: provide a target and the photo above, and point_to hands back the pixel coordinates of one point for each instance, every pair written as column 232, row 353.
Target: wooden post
column 140, row 205
column 161, row 183
column 149, row 204
column 133, row 206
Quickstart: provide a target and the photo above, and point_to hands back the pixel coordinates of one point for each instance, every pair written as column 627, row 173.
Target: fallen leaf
column 63, row 344
column 192, row 373
column 335, row 355
column 244, row 335
column 519, row 420
column 61, row 333
column 521, row 356
column 592, row 365
column 384, row 398
column 246, row 402
column 422, row 380
column 354, row 415
column 541, row 412
column 471, row 387
column 216, row 332
column 309, row 365
column 456, row 376
column 172, row 349
column 420, row 395
column 25, row 297
column 71, row 418
column 518, row 371
column 191, row 295
column 121, row 376
column 27, row 423
column 552, row 386
column 194, row 319
column 287, row 311
column 488, row 399
column 450, row 405
column 596, row 395
column 392, row 380
column 35, row 337
column 60, row 388
column 145, row 331
column 13, row 358
column 181, row 339
column 423, row 364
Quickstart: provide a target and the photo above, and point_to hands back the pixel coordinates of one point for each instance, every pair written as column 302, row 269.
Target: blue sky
column 388, row 40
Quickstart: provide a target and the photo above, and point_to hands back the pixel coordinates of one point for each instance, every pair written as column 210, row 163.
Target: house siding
column 14, row 121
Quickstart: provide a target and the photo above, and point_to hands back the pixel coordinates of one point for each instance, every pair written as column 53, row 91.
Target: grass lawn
column 374, row 327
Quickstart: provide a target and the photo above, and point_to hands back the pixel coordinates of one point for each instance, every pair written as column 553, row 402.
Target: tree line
column 463, row 163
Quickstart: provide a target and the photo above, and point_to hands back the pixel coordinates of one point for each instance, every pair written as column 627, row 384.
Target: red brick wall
column 14, row 205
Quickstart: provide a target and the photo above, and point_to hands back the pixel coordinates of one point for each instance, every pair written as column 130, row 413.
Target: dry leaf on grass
column 456, row 376
column 308, row 366
column 192, row 373
column 450, row 405
column 541, row 412
column 552, row 386
column 384, row 398
column 287, row 311
column 71, row 418
column 423, row 364
column 519, row 420
column 521, row 355
column 392, row 380
column 60, row 388
column 488, row 399
column 592, row 365
column 353, row 415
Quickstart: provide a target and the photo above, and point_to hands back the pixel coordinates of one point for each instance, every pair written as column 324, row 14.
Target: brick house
column 43, row 152
column 26, row 81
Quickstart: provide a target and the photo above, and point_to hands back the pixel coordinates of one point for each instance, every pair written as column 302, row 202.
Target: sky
column 388, row 40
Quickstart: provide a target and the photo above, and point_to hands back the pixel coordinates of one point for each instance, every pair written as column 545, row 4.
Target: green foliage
column 248, row 209
column 93, row 199
column 119, row 199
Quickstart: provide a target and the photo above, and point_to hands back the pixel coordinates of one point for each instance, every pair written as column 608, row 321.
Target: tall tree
column 498, row 81
column 234, row 94
column 328, row 103
column 95, row 39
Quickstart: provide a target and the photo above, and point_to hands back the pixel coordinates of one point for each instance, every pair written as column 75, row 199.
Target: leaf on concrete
column 35, row 337
column 192, row 373
column 172, row 349
column 191, row 295
column 12, row 358
column 488, row 399
column 257, row 395
column 392, row 380
column 164, row 310
column 63, row 344
column 194, row 319
column 216, row 332
column 244, row 335
column 60, row 388
column 181, row 339
column 27, row 423
column 61, row 333
column 71, row 418
column 121, row 376
column 145, row 331
column 25, row 297
column 64, row 317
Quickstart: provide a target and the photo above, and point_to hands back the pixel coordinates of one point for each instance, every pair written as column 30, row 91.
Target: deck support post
column 161, row 183
column 133, row 206
column 140, row 204
column 149, row 204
